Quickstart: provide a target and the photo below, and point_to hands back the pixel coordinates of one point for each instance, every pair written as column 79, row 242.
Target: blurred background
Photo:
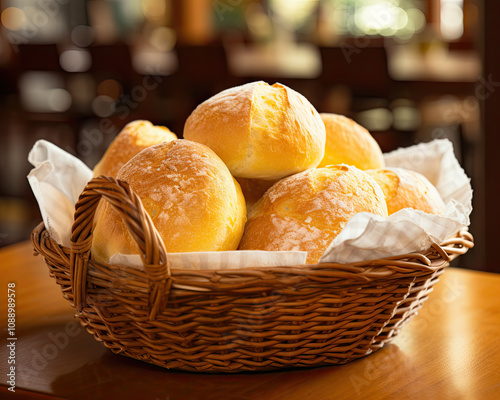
column 75, row 72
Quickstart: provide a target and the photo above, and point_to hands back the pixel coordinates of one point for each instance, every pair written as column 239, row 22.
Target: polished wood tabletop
column 450, row 350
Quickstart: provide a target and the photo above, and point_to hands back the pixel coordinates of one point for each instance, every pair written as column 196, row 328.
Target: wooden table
column 451, row 350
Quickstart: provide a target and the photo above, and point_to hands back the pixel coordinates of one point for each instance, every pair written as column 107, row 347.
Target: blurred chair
column 202, row 72
column 114, row 60
column 360, row 66
column 202, row 65
column 38, row 57
column 363, row 69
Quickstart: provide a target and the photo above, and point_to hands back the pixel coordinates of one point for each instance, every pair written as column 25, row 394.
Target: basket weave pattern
column 233, row 320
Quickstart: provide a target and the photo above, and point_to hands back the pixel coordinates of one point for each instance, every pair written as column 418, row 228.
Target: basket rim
column 121, row 197
column 456, row 245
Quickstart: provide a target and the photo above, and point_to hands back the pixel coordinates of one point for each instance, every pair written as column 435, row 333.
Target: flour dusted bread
column 194, row 202
column 260, row 131
column 308, row 210
column 408, row 189
column 133, row 138
column 347, row 142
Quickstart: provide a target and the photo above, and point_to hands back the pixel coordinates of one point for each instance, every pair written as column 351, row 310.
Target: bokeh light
column 82, row 35
column 452, row 19
column 389, row 18
column 44, row 92
column 163, row 38
column 293, row 12
column 13, row 18
column 59, row 100
column 103, row 106
column 75, row 60
column 110, row 88
column 406, row 118
column 258, row 22
column 153, row 9
column 83, row 89
column 375, row 119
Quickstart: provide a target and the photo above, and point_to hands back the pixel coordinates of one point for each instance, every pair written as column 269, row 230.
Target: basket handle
column 129, row 206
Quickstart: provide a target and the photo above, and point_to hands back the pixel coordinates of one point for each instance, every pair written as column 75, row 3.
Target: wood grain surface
column 451, row 350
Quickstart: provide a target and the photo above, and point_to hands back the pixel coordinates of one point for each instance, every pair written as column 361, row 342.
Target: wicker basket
column 248, row 319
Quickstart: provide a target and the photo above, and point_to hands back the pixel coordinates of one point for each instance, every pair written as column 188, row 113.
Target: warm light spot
column 376, row 119
column 153, row 9
column 82, row 35
column 452, row 19
column 75, row 60
column 400, row 18
column 258, row 21
column 395, row 18
column 59, row 100
column 383, row 18
column 13, row 18
column 44, row 92
column 406, row 118
column 293, row 12
column 83, row 89
column 418, row 18
column 110, row 88
column 103, row 106
column 163, row 38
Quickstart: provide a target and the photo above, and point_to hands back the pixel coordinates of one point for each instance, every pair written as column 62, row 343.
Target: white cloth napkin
column 367, row 236
column 57, row 180
column 221, row 259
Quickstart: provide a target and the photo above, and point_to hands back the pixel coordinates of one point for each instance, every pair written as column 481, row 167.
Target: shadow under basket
column 235, row 320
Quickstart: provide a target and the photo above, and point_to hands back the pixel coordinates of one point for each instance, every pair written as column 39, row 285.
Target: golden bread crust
column 260, row 131
column 347, row 142
column 132, row 139
column 194, row 202
column 308, row 210
column 408, row 189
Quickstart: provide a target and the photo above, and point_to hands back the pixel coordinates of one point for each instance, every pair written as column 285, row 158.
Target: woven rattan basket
column 248, row 319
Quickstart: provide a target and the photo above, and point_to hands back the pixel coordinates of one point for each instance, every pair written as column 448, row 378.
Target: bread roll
column 408, row 189
column 134, row 137
column 347, row 142
column 194, row 202
column 308, row 210
column 260, row 131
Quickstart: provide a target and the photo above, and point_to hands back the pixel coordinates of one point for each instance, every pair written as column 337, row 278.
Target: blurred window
column 392, row 18
column 34, row 21
column 451, row 19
